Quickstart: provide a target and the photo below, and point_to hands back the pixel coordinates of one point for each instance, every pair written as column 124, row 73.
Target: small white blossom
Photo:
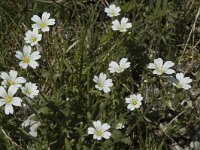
column 27, row 58
column 121, row 26
column 102, row 83
column 32, row 124
column 119, row 126
column 8, row 99
column 181, row 81
column 33, row 37
column 12, row 79
column 134, row 101
column 30, row 90
column 42, row 23
column 112, row 10
column 100, row 130
column 160, row 68
column 123, row 64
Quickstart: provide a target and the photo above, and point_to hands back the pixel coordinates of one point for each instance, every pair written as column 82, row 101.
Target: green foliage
column 81, row 45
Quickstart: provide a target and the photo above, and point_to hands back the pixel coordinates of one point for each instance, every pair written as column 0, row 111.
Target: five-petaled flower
column 123, row 64
column 30, row 90
column 42, row 23
column 8, row 99
column 134, row 101
column 99, row 130
column 102, row 83
column 181, row 81
column 119, row 125
column 160, row 68
column 12, row 79
column 29, row 122
column 27, row 58
column 112, row 10
column 121, row 26
column 33, row 37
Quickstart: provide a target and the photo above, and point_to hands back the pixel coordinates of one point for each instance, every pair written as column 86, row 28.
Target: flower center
column 8, row 99
column 120, row 28
column 43, row 24
column 34, row 39
column 99, row 133
column 11, row 82
column 180, row 85
column 134, row 102
column 100, row 84
column 161, row 69
column 28, row 91
column 120, row 69
column 113, row 12
column 26, row 59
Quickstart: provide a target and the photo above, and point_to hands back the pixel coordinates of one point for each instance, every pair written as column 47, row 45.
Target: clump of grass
column 80, row 46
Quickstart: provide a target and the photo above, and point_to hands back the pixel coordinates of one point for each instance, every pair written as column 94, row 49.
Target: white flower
column 8, row 99
column 100, row 130
column 123, row 26
column 42, row 23
column 112, row 10
column 134, row 101
column 103, row 83
column 33, row 37
column 123, row 64
column 12, row 79
column 27, row 58
column 160, row 68
column 181, row 81
column 30, row 90
column 119, row 126
column 32, row 124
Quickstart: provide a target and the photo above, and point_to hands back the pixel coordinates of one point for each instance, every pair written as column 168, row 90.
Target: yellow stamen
column 34, row 39
column 28, row 91
column 11, row 82
column 100, row 84
column 134, row 102
column 43, row 25
column 99, row 133
column 26, row 59
column 8, row 99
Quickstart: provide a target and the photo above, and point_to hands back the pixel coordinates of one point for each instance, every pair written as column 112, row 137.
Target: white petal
column 33, row 64
column 20, row 80
column 27, row 50
column 106, row 135
column 105, row 126
column 168, row 64
column 13, row 74
column 3, row 92
column 8, row 109
column 51, row 22
column 169, row 71
column 16, row 101
column 45, row 29
column 35, row 26
column 97, row 124
column 2, row 102
column 19, row 55
column 128, row 25
column 5, row 76
column 35, row 55
column 12, row 90
column 36, row 19
column 158, row 62
column 91, row 130
column 23, row 65
column 152, row 66
column 45, row 16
